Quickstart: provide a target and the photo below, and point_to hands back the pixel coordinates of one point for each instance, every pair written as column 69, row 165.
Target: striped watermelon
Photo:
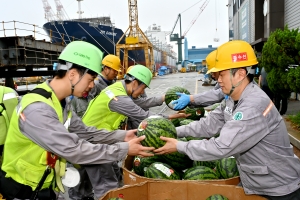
column 199, row 173
column 162, row 171
column 177, row 121
column 227, row 167
column 210, row 164
column 178, row 160
column 188, row 138
column 153, row 128
column 196, row 113
column 217, row 197
column 185, row 122
column 171, row 95
column 140, row 164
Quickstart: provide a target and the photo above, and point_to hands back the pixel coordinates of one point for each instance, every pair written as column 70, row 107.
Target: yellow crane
column 135, row 39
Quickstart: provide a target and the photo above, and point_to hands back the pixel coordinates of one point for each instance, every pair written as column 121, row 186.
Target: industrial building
column 195, row 55
column 254, row 20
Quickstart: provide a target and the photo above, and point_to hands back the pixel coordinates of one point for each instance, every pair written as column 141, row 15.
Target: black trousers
column 11, row 189
column 284, row 104
column 293, row 196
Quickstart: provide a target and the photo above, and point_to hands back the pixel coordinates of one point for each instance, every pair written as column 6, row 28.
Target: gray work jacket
column 254, row 133
column 209, row 97
column 133, row 109
column 81, row 144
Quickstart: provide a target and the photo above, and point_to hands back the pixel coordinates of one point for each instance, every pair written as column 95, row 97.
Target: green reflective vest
column 25, row 161
column 8, row 102
column 98, row 113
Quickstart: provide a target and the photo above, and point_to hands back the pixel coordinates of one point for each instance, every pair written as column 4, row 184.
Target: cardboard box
column 178, row 190
column 131, row 178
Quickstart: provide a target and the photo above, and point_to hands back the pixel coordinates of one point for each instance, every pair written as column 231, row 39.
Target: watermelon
column 217, row 197
column 153, row 128
column 196, row 113
column 210, row 164
column 227, row 167
column 177, row 121
column 188, row 138
column 140, row 164
column 171, row 95
column 199, row 173
column 160, row 170
column 178, row 160
column 115, row 198
column 185, row 122
column 182, row 139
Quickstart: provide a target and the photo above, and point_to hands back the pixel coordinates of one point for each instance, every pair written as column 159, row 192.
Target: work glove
column 182, row 102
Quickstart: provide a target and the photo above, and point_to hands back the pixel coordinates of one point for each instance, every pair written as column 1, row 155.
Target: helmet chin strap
column 234, row 86
column 135, row 90
column 73, row 85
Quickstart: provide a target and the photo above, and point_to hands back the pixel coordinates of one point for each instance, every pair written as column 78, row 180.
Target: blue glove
column 182, row 102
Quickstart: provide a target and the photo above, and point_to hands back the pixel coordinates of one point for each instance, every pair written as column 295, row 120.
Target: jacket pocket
column 257, row 177
column 31, row 174
column 254, row 169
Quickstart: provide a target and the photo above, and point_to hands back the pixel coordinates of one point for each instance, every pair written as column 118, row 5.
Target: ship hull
column 102, row 36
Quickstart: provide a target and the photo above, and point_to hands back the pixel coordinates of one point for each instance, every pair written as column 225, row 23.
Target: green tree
column 281, row 51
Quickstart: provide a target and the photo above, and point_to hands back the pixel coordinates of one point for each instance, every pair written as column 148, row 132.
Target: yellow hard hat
column 129, row 68
column 234, row 54
column 211, row 60
column 112, row 61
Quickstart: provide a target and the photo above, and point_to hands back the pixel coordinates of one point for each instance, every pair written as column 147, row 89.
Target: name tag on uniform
column 111, row 95
column 228, row 110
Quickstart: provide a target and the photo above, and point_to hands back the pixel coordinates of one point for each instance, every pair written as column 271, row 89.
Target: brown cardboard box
column 131, row 178
column 178, row 190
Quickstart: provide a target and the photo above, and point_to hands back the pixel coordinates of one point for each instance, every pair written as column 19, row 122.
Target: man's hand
column 179, row 115
column 182, row 102
column 169, row 147
column 131, row 134
column 136, row 149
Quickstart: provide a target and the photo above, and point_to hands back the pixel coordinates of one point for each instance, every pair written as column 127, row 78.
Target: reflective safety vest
column 8, row 102
column 25, row 161
column 98, row 113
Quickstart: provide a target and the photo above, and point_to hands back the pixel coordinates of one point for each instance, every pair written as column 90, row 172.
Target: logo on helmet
column 238, row 57
column 81, row 55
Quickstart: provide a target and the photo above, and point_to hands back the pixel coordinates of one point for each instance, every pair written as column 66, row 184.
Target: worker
column 111, row 65
column 116, row 102
column 250, row 127
column 110, row 173
column 44, row 133
column 110, row 111
column 206, row 98
column 144, row 102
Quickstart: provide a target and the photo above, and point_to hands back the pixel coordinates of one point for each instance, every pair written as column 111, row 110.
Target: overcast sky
column 161, row 12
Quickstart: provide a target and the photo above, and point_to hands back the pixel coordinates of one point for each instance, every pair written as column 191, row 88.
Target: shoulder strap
column 2, row 107
column 41, row 92
column 1, row 99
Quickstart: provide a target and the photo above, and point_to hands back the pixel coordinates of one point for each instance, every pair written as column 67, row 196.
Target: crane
column 178, row 39
column 49, row 14
column 135, row 39
column 61, row 13
column 174, row 37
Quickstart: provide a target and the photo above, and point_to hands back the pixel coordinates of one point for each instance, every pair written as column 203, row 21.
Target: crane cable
column 216, row 39
column 191, row 7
